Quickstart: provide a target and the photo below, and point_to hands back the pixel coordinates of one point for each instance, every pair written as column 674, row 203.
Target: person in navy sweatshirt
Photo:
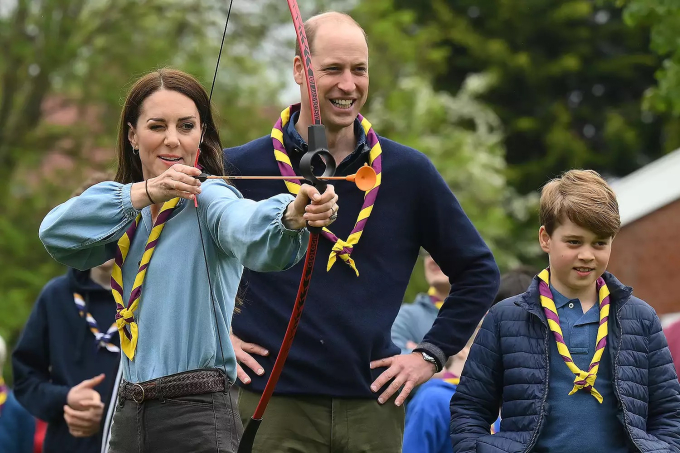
column 17, row 425
column 67, row 357
column 343, row 368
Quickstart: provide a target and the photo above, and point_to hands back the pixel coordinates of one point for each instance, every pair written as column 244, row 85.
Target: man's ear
column 544, row 239
column 298, row 70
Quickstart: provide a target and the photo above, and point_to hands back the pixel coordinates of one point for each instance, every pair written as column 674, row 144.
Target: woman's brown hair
column 129, row 165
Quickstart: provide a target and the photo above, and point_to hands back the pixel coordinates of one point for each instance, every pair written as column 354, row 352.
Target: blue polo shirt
column 578, row 423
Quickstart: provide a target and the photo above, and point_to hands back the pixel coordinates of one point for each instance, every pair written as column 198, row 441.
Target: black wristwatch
column 428, row 358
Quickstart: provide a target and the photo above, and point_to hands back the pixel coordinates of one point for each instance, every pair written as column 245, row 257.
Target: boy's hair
column 583, row 197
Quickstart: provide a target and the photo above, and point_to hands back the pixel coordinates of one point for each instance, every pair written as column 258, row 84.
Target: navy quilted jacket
column 508, row 368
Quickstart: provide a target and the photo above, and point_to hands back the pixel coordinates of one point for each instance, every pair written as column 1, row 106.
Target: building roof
column 649, row 188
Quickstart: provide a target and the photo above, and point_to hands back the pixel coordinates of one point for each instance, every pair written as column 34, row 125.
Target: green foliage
column 663, row 16
column 570, row 76
column 463, row 138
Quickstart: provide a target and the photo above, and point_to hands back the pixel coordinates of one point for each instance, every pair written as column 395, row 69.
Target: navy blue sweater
column 57, row 351
column 347, row 319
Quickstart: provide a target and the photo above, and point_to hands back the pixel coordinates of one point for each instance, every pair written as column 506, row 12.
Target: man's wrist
column 429, row 359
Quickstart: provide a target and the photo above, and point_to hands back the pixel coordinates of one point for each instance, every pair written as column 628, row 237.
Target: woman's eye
column 188, row 126
column 155, row 127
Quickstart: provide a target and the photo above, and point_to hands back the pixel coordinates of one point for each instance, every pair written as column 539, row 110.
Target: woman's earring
column 135, row 151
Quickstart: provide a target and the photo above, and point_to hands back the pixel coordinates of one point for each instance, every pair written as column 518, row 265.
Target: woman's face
column 167, row 132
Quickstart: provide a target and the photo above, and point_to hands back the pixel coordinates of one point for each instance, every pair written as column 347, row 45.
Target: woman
column 173, row 316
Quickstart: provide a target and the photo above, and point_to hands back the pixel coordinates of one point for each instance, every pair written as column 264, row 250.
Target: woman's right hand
column 177, row 181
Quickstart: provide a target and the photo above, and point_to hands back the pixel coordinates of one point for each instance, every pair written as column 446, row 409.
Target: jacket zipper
column 616, row 387
column 534, row 436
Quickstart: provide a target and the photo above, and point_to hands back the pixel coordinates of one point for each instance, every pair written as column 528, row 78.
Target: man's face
column 340, row 64
column 577, row 257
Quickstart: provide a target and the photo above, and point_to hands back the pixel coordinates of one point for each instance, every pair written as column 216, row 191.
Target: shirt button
column 571, row 305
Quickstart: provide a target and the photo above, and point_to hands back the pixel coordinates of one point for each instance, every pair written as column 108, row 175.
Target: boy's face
column 577, row 257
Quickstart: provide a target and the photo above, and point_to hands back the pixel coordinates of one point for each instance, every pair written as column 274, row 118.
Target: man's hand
column 408, row 370
column 79, row 396
column 242, row 351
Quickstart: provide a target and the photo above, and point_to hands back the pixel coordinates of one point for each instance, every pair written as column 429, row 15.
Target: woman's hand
column 320, row 213
column 176, row 181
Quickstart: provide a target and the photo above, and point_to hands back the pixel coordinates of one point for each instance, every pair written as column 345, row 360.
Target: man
column 67, row 357
column 343, row 357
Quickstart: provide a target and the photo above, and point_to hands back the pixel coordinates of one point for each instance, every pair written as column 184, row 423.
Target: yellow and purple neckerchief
column 4, row 391
column 102, row 340
column 125, row 315
column 585, row 380
column 342, row 249
column 436, row 301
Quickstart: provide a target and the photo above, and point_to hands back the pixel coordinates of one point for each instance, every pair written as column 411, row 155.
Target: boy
column 576, row 363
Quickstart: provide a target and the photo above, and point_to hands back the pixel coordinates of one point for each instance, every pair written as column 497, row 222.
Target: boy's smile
column 577, row 258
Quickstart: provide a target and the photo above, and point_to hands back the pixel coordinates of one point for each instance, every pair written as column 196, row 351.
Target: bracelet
column 146, row 187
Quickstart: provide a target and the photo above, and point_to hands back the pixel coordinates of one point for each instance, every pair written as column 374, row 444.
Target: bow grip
column 317, row 147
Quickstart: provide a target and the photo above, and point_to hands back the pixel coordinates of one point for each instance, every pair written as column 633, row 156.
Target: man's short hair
column 313, row 23
column 583, row 197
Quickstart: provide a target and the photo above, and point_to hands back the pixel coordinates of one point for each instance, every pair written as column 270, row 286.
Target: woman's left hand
column 321, row 212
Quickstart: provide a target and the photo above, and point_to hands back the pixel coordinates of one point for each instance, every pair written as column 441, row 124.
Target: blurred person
column 576, row 363
column 343, row 369
column 178, row 363
column 414, row 320
column 428, row 414
column 68, row 354
column 17, row 425
column 673, row 336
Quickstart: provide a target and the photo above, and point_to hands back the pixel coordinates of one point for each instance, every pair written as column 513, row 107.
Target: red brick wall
column 646, row 256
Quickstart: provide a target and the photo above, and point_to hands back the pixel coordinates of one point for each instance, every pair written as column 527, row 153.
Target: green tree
column 570, row 77
column 663, row 17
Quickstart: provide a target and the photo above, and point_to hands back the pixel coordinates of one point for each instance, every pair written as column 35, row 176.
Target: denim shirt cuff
column 286, row 199
column 125, row 197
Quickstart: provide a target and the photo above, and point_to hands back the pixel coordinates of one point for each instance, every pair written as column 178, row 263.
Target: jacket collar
column 529, row 300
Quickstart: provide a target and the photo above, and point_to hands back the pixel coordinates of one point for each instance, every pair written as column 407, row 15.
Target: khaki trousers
column 314, row 424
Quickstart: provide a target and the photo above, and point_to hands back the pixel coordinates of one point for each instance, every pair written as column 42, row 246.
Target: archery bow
column 317, row 146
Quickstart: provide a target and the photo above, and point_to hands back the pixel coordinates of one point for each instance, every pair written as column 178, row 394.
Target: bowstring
column 198, row 221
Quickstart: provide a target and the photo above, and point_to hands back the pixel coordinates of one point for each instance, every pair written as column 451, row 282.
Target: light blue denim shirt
column 177, row 326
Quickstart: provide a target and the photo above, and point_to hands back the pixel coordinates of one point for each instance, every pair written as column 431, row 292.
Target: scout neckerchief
column 102, row 340
column 125, row 316
column 341, row 248
column 585, row 380
column 3, row 394
column 436, row 301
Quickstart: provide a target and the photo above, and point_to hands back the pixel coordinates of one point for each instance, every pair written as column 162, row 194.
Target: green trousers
column 317, row 424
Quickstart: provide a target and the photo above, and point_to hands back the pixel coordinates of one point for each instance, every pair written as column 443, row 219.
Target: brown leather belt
column 195, row 382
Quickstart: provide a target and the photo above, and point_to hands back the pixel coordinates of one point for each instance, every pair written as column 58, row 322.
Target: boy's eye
column 573, row 242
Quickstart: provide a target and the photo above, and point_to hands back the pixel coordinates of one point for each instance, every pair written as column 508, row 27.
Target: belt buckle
column 134, row 387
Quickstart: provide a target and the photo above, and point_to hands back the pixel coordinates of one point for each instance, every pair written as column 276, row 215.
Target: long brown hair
column 129, row 165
